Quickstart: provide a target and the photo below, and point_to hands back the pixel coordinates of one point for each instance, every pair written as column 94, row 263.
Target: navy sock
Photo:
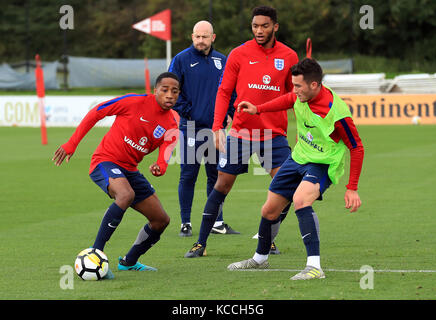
column 309, row 229
column 110, row 222
column 186, row 196
column 284, row 213
column 211, row 210
column 268, row 230
column 146, row 238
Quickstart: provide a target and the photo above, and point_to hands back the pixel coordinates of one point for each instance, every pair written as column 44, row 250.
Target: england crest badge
column 279, row 64
column 218, row 64
column 158, row 132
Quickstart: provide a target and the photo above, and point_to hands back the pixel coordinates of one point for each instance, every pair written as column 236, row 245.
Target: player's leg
column 211, row 210
column 280, row 194
column 229, row 166
column 148, row 236
column 219, row 227
column 110, row 177
column 268, row 226
column 148, row 204
column 315, row 182
column 273, row 153
column 188, row 178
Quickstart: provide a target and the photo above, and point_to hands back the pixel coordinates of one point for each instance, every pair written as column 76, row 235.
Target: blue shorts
column 291, row 173
column 105, row 170
column 271, row 153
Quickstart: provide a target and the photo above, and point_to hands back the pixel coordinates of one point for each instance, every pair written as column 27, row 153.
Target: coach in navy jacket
column 200, row 76
column 199, row 69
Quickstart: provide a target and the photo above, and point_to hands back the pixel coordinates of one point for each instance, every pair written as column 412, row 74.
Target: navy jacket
column 200, row 77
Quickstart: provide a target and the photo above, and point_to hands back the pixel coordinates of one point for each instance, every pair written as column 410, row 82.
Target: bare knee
column 301, row 202
column 269, row 212
column 124, row 198
column 161, row 222
column 224, row 182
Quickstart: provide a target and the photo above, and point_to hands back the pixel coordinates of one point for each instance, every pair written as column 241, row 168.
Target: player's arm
column 283, row 102
column 183, row 106
column 346, row 130
column 224, row 95
column 165, row 151
column 107, row 108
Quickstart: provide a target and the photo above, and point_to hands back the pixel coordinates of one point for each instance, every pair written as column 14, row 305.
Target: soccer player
column 259, row 70
column 325, row 130
column 199, row 69
column 142, row 124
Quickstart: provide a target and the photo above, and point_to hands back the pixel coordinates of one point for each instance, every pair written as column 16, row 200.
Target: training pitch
column 383, row 251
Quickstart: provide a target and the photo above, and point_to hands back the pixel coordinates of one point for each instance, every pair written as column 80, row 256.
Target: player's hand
column 155, row 170
column 220, row 140
column 352, row 200
column 248, row 107
column 60, row 155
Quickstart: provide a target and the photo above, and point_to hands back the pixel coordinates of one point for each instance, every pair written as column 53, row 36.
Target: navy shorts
column 291, row 173
column 105, row 170
column 271, row 153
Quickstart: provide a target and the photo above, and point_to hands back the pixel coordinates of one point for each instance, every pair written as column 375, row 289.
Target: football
column 91, row 264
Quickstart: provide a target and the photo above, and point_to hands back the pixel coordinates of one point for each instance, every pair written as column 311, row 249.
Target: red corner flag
column 40, row 91
column 158, row 26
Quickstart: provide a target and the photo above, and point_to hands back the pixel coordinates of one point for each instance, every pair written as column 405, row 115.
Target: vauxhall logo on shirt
column 266, row 79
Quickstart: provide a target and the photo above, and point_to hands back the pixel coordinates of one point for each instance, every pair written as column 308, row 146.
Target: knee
column 223, row 185
column 125, row 198
column 300, row 202
column 161, row 223
column 268, row 212
column 188, row 178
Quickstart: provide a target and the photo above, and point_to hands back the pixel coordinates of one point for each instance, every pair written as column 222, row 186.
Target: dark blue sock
column 309, row 229
column 268, row 229
column 186, row 196
column 110, row 222
column 212, row 175
column 210, row 213
column 284, row 213
column 146, row 238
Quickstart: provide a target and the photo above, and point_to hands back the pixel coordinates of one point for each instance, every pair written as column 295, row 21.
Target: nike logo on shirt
column 253, row 62
column 307, row 126
column 194, row 64
column 143, row 120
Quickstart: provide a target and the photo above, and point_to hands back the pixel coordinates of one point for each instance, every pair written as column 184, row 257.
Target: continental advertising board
column 68, row 111
column 392, row 108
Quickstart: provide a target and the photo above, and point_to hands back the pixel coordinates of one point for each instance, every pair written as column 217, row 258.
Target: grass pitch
column 49, row 214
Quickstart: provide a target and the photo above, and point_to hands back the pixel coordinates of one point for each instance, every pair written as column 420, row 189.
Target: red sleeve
column 166, row 149
column 347, row 131
column 225, row 90
column 107, row 108
column 283, row 102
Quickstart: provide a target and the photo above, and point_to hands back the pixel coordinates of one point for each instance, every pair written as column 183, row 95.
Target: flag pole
column 40, row 91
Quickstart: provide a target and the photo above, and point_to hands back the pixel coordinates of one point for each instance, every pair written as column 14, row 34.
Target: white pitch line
column 343, row 270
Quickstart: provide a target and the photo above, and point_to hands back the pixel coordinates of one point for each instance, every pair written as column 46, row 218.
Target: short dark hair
column 310, row 69
column 265, row 11
column 167, row 75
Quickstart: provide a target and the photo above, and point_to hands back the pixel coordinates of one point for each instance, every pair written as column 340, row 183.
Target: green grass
column 51, row 213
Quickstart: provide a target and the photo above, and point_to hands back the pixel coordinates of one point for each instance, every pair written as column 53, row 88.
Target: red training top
column 258, row 75
column 344, row 128
column 140, row 126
